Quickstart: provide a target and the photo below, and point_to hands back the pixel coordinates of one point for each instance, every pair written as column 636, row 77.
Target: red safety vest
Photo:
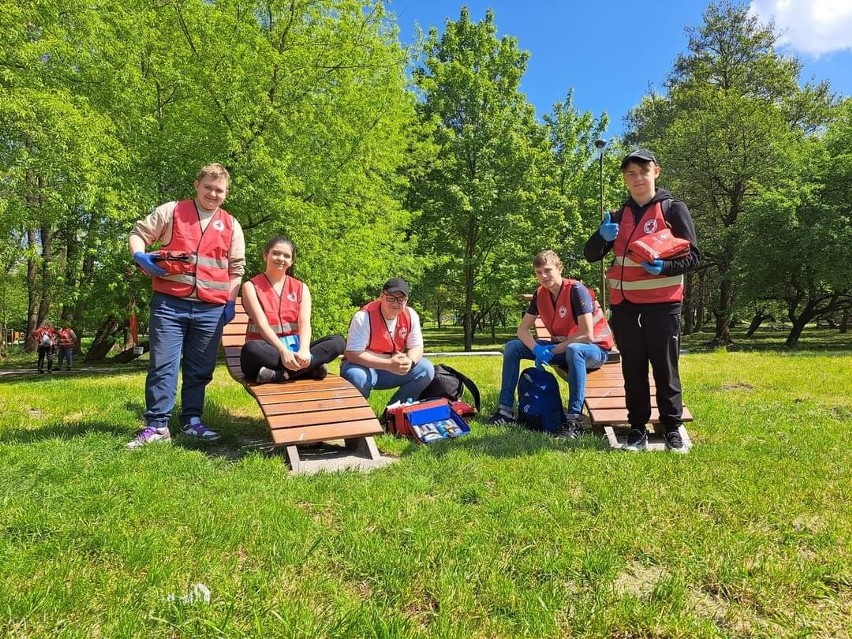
column 65, row 338
column 560, row 321
column 380, row 337
column 281, row 310
column 628, row 280
column 206, row 272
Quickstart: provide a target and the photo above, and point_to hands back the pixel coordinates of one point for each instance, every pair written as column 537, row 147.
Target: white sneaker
column 150, row 435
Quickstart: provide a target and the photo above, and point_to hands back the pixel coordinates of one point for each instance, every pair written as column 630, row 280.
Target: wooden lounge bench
column 305, row 411
column 605, row 402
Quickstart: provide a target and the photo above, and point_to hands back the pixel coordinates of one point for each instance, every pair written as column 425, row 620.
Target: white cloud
column 815, row 27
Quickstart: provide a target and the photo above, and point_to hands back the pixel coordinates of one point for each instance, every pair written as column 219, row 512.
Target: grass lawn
column 503, row 533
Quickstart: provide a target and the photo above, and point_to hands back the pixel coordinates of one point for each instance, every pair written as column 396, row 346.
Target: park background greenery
column 378, row 159
column 426, row 162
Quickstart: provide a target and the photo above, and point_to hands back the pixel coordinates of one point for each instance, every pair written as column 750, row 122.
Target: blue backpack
column 539, row 401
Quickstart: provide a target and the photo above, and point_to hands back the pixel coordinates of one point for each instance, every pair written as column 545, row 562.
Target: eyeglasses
column 397, row 299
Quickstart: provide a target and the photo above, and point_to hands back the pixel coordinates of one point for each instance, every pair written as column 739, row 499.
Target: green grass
column 503, row 533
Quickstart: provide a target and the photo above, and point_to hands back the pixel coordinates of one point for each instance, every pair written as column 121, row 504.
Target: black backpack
column 449, row 383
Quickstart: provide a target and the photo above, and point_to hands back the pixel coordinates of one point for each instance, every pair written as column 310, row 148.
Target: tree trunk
column 756, row 321
column 724, row 312
column 796, row 332
column 104, row 340
column 844, row 322
column 32, row 295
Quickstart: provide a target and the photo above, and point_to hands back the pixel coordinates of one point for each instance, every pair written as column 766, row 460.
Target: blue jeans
column 410, row 385
column 577, row 359
column 65, row 353
column 180, row 327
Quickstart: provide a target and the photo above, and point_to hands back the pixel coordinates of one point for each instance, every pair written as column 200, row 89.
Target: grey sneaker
column 674, row 442
column 198, row 430
column 501, row 418
column 150, row 435
column 267, row 375
column 637, row 439
column 571, row 429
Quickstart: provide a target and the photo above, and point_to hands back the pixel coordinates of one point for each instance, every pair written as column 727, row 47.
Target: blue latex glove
column 654, row 267
column 543, row 354
column 146, row 263
column 230, row 311
column 608, row 229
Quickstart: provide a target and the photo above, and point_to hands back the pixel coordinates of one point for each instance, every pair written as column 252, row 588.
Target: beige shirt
column 157, row 227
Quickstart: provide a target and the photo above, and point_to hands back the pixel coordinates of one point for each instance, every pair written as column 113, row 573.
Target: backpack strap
column 468, row 384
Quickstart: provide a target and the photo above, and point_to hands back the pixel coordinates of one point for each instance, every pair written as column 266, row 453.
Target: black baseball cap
column 643, row 155
column 396, row 285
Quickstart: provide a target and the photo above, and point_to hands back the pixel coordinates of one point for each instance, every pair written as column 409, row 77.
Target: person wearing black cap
column 384, row 348
column 646, row 297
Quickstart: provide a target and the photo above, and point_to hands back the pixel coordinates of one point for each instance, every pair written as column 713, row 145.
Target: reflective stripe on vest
column 559, row 319
column 206, row 272
column 628, row 280
column 380, row 338
column 281, row 310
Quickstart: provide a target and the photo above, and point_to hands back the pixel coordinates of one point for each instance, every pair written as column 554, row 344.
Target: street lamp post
column 599, row 145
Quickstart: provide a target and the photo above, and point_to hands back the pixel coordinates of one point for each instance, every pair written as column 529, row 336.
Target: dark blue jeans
column 180, row 330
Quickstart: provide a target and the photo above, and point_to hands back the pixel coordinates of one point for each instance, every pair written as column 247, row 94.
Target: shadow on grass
column 515, row 441
column 12, row 375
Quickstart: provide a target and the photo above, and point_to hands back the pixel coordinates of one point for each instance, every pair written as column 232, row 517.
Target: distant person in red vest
column 646, row 297
column 67, row 339
column 196, row 276
column 384, row 347
column 580, row 340
column 45, row 339
column 278, row 345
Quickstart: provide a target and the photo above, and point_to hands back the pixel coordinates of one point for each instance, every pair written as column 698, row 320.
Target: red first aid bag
column 661, row 245
column 428, row 421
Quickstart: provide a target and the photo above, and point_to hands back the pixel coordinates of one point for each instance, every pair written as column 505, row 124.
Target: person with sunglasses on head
column 278, row 344
column 646, row 296
column 384, row 347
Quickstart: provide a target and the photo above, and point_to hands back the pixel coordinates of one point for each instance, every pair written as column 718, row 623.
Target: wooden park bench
column 605, row 402
column 305, row 411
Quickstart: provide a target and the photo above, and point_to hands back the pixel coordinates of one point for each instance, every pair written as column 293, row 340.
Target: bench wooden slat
column 322, row 432
column 304, row 411
column 312, row 406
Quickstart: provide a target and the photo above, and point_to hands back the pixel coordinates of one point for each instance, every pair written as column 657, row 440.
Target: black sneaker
column 499, row 418
column 321, row 372
column 674, row 442
column 637, row 439
column 571, row 429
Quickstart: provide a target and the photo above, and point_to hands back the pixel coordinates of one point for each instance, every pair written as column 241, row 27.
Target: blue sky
column 583, row 45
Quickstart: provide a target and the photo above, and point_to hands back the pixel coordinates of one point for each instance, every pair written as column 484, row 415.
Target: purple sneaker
column 198, row 430
column 150, row 435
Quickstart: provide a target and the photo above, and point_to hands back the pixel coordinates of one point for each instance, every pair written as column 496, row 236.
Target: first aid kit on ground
column 427, row 421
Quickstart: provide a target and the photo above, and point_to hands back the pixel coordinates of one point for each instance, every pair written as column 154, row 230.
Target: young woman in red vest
column 581, row 339
column 646, row 297
column 278, row 344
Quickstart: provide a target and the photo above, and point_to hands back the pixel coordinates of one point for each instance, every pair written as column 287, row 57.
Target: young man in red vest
column 384, row 348
column 195, row 275
column 581, row 340
column 646, row 297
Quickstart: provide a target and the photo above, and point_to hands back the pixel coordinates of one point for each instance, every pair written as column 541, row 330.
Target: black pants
column 642, row 338
column 45, row 352
column 257, row 353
